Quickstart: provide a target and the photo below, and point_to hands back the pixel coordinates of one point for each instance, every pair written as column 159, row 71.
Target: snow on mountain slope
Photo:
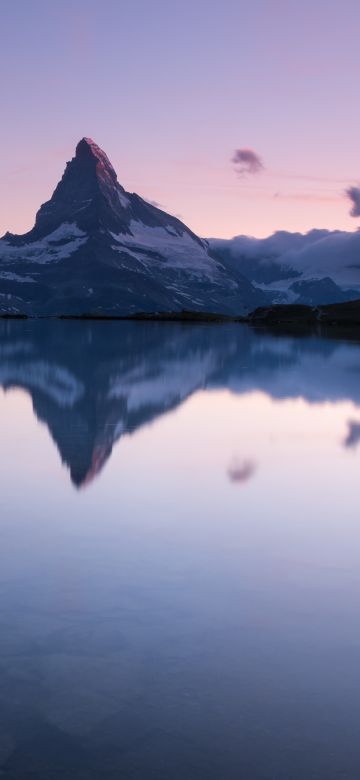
column 182, row 252
column 62, row 242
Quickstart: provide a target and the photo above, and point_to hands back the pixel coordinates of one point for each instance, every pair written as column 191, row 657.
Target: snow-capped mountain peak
column 103, row 250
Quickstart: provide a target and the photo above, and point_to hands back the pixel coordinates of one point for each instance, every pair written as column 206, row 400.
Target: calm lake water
column 179, row 553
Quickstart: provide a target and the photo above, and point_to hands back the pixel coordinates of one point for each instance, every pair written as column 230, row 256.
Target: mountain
column 315, row 268
column 94, row 383
column 98, row 249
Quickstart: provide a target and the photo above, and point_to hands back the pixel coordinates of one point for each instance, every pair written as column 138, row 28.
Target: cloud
column 314, row 255
column 353, row 193
column 247, row 161
column 161, row 206
column 308, row 197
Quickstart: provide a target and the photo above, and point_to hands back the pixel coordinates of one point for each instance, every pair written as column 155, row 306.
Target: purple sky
column 171, row 90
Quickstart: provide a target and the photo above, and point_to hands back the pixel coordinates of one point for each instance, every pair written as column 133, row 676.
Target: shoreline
column 276, row 316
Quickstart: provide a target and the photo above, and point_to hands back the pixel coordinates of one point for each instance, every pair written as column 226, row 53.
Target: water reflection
column 92, row 383
column 195, row 613
column 241, row 471
column 353, row 435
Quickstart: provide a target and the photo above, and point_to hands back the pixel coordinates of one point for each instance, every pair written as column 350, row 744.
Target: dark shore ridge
column 344, row 314
column 332, row 314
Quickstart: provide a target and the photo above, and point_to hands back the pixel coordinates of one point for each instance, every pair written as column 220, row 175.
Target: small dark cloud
column 241, row 471
column 353, row 193
column 154, row 203
column 161, row 206
column 247, row 161
column 353, row 435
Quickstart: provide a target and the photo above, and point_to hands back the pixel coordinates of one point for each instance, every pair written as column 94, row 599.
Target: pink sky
column 170, row 90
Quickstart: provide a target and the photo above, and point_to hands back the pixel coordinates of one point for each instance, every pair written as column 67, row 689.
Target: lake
column 179, row 553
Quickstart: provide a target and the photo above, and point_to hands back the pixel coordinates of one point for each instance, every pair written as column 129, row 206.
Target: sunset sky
column 170, row 90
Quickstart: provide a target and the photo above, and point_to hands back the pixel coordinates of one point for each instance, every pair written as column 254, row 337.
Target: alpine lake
column 179, row 552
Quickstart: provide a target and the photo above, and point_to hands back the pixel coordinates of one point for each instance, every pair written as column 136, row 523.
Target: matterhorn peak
column 88, row 193
column 96, row 248
column 87, row 151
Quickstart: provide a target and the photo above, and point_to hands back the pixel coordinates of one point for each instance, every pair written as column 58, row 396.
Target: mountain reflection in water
column 94, row 382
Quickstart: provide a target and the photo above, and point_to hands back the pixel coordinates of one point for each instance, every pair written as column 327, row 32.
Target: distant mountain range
column 97, row 249
column 94, row 383
column 315, row 268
